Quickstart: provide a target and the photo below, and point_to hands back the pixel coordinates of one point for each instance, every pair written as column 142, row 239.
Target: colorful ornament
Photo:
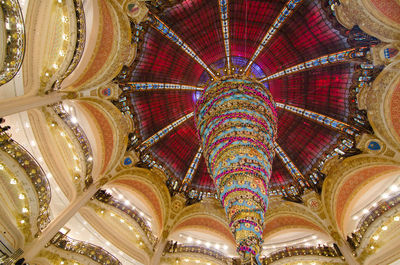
column 237, row 124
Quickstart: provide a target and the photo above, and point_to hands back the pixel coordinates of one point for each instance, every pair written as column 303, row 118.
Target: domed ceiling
column 184, row 47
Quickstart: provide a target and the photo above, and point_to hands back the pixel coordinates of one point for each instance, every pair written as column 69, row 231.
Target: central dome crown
column 237, row 123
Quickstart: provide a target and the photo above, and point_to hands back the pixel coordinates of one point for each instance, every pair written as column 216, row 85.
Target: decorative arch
column 207, row 215
column 346, row 178
column 383, row 104
column 107, row 49
column 375, row 17
column 149, row 185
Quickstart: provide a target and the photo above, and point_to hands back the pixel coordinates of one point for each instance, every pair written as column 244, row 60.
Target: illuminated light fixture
column 101, row 211
column 238, row 142
column 24, row 210
column 197, row 261
column 59, row 1
column 70, row 145
column 90, row 158
column 140, row 243
column 112, row 214
column 314, row 237
column 61, row 53
column 120, row 196
column 384, row 228
column 225, row 247
column 1, row 167
column 394, row 188
column 198, row 242
column 75, row 157
column 137, row 236
column 372, row 247
column 108, row 243
column 74, row 119
column 122, row 220
column 127, row 202
column 121, row 253
column 217, row 246
column 365, row 211
column 208, row 244
column 55, row 66
column 355, row 217
column 65, row 37
column 141, row 214
column 77, row 169
column 189, row 239
column 62, row 262
column 64, row 19
column 186, row 260
column 396, row 218
column 130, row 228
column 62, row 134
column 385, row 196
column 376, row 237
column 374, row 204
column 21, row 196
column 33, row 143
column 13, row 181
column 22, row 222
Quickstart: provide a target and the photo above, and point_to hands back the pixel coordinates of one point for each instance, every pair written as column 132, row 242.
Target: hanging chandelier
column 237, row 123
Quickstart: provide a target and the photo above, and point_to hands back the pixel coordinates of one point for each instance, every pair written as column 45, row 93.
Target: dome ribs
column 290, row 166
column 223, row 8
column 320, row 119
column 279, row 21
column 192, row 169
column 157, row 24
column 332, row 58
column 160, row 134
column 150, row 86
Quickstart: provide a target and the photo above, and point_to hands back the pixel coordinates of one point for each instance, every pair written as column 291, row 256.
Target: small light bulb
column 21, row 196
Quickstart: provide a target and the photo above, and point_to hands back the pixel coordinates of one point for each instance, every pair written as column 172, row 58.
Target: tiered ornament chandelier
column 237, row 123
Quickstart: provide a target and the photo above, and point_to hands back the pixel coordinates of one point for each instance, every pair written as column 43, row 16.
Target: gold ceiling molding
column 206, row 215
column 125, row 241
column 111, row 127
column 341, row 171
column 154, row 182
column 365, row 14
column 43, row 36
column 285, row 209
column 48, row 140
column 112, row 47
column 383, row 105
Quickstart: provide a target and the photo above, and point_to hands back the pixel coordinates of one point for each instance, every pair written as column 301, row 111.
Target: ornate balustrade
column 104, row 197
column 300, row 251
column 82, row 140
column 14, row 42
column 355, row 238
column 94, row 252
column 79, row 44
column 180, row 249
column 35, row 173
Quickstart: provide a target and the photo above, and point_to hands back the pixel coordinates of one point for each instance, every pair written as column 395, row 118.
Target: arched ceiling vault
column 342, row 183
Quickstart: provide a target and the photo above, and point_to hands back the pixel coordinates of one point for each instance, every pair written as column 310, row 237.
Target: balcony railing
column 14, row 42
column 91, row 251
column 82, row 140
column 300, row 251
column 355, row 238
column 180, row 249
column 104, row 197
column 35, row 173
column 79, row 44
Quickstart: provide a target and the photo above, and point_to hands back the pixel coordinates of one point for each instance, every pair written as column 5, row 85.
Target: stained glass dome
column 311, row 65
